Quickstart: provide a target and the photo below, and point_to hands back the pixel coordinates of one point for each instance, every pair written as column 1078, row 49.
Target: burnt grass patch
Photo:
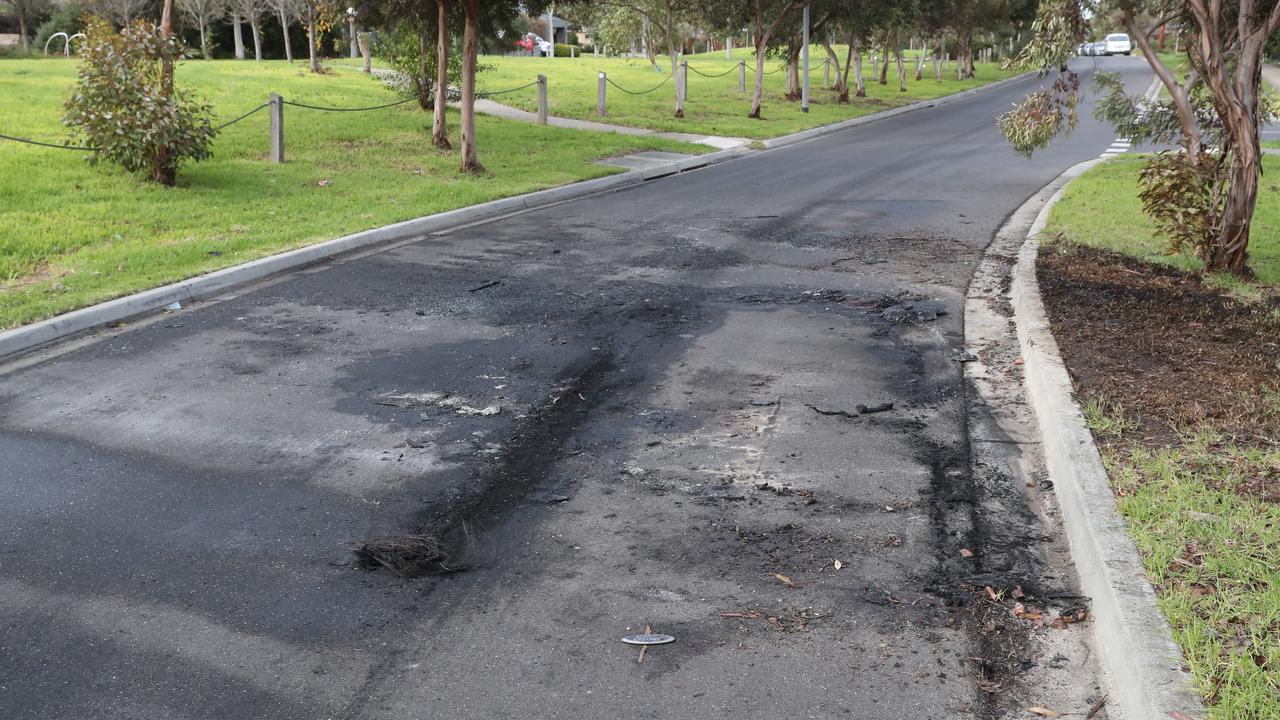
column 1171, row 351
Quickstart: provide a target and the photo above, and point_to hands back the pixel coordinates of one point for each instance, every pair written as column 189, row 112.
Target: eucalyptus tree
column 285, row 11
column 1202, row 198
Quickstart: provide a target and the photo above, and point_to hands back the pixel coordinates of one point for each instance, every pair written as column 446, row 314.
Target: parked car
column 1118, row 44
column 534, row 43
column 1098, row 48
column 1082, row 49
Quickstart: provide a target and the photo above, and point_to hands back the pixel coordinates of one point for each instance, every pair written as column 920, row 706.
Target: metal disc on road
column 648, row 639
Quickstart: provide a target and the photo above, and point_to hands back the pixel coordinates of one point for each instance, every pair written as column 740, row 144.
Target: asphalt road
column 676, row 370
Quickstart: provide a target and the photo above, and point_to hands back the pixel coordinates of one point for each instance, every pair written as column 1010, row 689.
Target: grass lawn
column 1101, row 209
column 1191, row 451
column 76, row 235
column 714, row 105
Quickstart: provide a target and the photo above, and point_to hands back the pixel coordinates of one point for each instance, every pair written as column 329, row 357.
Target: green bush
column 564, row 50
column 125, row 107
column 400, row 49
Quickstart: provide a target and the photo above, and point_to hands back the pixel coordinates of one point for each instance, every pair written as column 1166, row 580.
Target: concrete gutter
column 812, row 133
column 203, row 287
column 1135, row 645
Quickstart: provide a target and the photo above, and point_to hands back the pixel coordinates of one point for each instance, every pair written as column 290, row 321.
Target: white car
column 1118, row 44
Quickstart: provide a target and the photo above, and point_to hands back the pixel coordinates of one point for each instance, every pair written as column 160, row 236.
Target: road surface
column 644, row 407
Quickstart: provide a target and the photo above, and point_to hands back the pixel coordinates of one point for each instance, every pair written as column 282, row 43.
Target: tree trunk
column 366, row 51
column 439, row 134
column 857, row 73
column 902, row 73
column 204, row 39
column 255, row 28
column 678, row 80
column 470, row 154
column 884, row 66
column 1230, row 250
column 937, row 61
column 850, row 53
column 22, row 33
column 757, row 93
column 311, row 38
column 425, row 83
column 793, row 72
column 164, row 171
column 284, row 28
column 835, row 60
column 237, row 35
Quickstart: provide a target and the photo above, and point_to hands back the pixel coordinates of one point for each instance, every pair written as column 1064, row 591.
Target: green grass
column 1202, row 509
column 714, row 105
column 1212, row 551
column 1101, row 209
column 76, row 235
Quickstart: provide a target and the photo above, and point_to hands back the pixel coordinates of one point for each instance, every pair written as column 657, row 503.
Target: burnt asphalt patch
column 194, row 485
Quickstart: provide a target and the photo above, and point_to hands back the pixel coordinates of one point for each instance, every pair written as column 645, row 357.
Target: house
column 560, row 30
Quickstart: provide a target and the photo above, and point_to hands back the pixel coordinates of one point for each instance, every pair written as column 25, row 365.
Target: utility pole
column 804, row 52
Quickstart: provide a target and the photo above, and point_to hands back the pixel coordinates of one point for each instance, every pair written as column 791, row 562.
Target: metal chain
column 726, row 72
column 229, row 123
column 45, row 144
column 341, row 109
column 504, row 92
column 642, row 92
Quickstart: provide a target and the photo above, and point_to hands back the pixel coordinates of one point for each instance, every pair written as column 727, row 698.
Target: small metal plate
column 648, row 639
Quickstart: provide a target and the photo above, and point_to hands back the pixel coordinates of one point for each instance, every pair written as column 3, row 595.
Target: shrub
column 563, row 50
column 124, row 104
column 401, row 50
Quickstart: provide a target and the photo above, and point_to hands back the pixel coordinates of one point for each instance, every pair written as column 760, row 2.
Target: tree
column 1206, row 195
column 471, row 24
column 285, row 10
column 26, row 12
column 202, row 13
column 237, row 32
column 439, row 132
column 251, row 10
column 767, row 17
column 124, row 103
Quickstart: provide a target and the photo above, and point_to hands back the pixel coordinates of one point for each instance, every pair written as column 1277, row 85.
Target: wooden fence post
column 276, row 125
column 600, row 84
column 542, row 99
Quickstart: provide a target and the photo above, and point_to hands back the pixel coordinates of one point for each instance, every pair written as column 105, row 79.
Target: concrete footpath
column 490, row 107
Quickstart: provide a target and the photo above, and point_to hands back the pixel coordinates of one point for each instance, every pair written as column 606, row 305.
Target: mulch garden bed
column 1173, row 352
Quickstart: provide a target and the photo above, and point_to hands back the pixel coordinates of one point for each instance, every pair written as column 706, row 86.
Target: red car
column 533, row 44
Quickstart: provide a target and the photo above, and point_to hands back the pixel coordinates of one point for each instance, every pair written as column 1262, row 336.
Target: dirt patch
column 1170, row 350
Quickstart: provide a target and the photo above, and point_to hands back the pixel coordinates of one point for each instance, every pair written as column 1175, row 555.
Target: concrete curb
column 76, row 322
column 817, row 132
column 1135, row 645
